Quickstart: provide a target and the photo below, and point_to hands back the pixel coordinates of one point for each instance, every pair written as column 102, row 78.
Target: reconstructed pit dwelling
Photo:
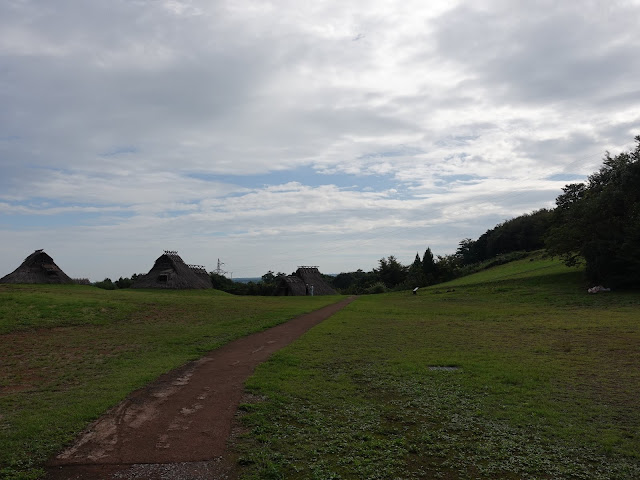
column 37, row 268
column 170, row 271
column 305, row 281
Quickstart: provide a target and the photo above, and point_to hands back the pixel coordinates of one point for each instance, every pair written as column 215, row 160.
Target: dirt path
column 177, row 427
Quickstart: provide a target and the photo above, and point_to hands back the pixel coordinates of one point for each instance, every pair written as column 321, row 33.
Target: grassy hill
column 535, row 266
column 514, row 372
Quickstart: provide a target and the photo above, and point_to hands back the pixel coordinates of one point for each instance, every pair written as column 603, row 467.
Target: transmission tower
column 219, row 270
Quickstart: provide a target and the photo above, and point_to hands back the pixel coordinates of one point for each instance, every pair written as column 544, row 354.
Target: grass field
column 68, row 353
column 515, row 372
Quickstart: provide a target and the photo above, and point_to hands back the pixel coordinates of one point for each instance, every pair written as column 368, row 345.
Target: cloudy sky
column 284, row 133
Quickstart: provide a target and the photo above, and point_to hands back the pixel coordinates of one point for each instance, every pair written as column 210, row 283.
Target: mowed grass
column 544, row 382
column 68, row 353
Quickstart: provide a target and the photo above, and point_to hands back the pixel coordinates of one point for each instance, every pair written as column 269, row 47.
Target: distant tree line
column 596, row 223
column 391, row 275
column 265, row 287
column 122, row 282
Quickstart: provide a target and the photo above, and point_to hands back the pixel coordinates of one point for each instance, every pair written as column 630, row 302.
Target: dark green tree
column 600, row 221
column 391, row 272
column 268, row 277
column 353, row 282
column 417, row 263
column 415, row 277
column 429, row 267
column 447, row 267
column 343, row 280
column 124, row 282
column 220, row 282
column 466, row 252
column 106, row 284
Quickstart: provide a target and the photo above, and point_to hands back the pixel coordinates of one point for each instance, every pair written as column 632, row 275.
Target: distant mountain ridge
column 247, row 279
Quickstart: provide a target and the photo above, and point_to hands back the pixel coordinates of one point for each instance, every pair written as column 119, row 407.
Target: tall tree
column 429, row 267
column 466, row 251
column 417, row 263
column 415, row 277
column 391, row 271
column 600, row 221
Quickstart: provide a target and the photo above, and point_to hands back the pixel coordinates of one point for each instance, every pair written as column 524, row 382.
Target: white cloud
column 141, row 124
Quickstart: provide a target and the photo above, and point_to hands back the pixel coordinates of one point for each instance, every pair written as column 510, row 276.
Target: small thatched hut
column 305, row 281
column 37, row 268
column 291, row 285
column 170, row 271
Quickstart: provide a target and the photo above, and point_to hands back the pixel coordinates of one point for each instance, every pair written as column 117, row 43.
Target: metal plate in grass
column 443, row 368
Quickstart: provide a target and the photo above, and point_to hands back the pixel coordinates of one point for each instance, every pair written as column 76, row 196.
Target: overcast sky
column 285, row 133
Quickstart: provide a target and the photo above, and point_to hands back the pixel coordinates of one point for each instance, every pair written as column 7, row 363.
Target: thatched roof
column 305, row 281
column 291, row 285
column 201, row 272
column 37, row 268
column 170, row 271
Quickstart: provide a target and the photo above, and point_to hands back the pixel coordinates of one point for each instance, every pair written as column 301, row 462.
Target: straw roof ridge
column 201, row 272
column 197, row 268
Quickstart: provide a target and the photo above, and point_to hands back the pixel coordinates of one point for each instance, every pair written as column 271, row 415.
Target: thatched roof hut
column 170, row 271
column 37, row 268
column 305, row 281
column 291, row 285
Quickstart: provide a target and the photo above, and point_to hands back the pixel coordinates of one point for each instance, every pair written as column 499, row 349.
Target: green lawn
column 542, row 379
column 544, row 384
column 68, row 353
